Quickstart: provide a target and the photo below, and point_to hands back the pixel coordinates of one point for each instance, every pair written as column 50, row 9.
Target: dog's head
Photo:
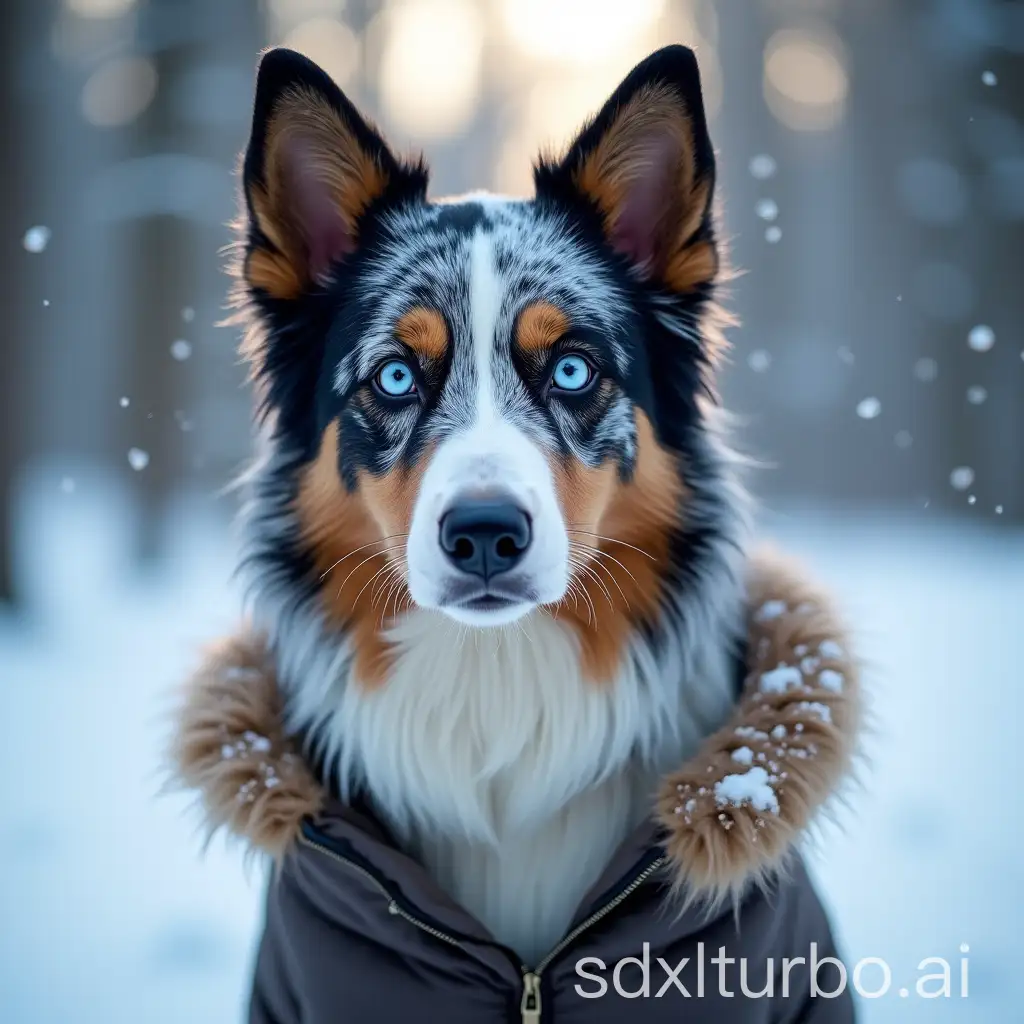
column 482, row 406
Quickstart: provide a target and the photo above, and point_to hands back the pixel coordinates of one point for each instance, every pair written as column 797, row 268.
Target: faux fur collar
column 727, row 817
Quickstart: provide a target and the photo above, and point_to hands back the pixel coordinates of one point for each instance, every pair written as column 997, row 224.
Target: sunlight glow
column 578, row 31
column 430, row 70
column 554, row 110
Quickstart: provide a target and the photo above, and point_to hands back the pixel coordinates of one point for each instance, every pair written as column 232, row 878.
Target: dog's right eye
column 572, row 373
column 395, row 379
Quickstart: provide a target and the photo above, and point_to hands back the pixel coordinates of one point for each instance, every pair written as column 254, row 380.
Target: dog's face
column 489, row 405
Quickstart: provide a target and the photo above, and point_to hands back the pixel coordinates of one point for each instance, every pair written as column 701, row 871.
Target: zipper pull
column 530, row 1006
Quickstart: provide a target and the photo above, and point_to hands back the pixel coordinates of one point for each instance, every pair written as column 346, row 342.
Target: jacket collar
column 726, row 818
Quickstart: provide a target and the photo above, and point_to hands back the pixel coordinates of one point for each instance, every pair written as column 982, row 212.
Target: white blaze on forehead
column 485, row 290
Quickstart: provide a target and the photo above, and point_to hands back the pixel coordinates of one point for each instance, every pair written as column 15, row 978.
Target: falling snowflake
column 767, row 209
column 188, row 314
column 971, row 499
column 903, row 439
column 36, row 239
column 762, row 166
column 868, row 408
column 989, row 78
column 976, row 394
column 961, row 478
column 138, row 459
column 124, row 402
column 846, row 355
column 926, row 369
column 67, row 485
column 773, row 234
column 183, row 421
column 981, row 338
column 181, row 350
column 999, row 510
column 759, row 360
column 46, row 302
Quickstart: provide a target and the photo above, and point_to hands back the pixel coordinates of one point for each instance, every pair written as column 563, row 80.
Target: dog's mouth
column 488, row 603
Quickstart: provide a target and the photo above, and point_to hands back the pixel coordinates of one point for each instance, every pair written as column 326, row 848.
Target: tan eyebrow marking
column 424, row 331
column 540, row 325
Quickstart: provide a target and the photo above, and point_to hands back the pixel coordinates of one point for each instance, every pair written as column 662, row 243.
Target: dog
column 495, row 532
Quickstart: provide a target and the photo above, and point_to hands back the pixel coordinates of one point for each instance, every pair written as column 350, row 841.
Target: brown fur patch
column 608, row 173
column 619, row 535
column 539, row 326
column 715, row 847
column 332, row 156
column 424, row 331
column 358, row 544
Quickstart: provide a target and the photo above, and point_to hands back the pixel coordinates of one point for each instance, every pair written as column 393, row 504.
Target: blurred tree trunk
column 10, row 362
column 16, row 108
column 171, row 260
column 156, row 249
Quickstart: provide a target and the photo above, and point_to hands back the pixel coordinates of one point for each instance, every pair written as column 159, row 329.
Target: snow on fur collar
column 727, row 817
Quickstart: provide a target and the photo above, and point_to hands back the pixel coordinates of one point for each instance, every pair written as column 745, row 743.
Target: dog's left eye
column 572, row 373
column 395, row 379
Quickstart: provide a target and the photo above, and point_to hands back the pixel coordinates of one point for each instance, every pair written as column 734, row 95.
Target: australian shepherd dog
column 494, row 532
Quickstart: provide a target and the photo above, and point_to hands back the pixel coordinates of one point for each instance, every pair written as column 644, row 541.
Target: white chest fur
column 510, row 775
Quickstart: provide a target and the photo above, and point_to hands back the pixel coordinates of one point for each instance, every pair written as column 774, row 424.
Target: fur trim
column 730, row 815
column 230, row 748
column 734, row 812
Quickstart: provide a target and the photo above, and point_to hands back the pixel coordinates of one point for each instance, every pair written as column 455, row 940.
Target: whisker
column 597, row 579
column 393, row 568
column 369, row 581
column 368, row 558
column 363, row 547
column 398, row 591
column 611, row 575
column 588, row 601
column 611, row 540
column 598, row 553
column 394, row 587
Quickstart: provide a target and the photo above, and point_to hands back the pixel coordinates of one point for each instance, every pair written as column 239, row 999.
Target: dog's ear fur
column 646, row 166
column 313, row 171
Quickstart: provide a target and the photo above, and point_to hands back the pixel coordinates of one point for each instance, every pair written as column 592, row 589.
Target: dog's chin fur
column 487, row 750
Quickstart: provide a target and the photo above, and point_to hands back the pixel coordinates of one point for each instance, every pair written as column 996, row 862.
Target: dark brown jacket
column 692, row 921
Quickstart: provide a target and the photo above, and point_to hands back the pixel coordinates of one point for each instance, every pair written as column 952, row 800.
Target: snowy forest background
column 872, row 170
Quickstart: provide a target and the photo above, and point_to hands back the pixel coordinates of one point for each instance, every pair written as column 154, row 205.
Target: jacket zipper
column 530, row 1004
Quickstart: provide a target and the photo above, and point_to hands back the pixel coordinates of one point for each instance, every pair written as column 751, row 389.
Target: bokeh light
column 805, row 79
column 99, row 8
column 119, row 91
column 430, row 69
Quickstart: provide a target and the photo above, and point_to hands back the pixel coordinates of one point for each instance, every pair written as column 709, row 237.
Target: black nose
column 485, row 536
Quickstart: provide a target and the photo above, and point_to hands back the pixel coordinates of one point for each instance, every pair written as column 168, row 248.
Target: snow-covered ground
column 110, row 916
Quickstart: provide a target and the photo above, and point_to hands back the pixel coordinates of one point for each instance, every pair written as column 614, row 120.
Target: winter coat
column 357, row 931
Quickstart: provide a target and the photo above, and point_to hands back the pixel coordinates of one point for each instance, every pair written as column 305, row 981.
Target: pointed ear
column 312, row 170
column 646, row 165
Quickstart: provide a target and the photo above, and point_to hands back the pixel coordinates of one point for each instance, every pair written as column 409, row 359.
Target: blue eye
column 395, row 379
column 572, row 373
